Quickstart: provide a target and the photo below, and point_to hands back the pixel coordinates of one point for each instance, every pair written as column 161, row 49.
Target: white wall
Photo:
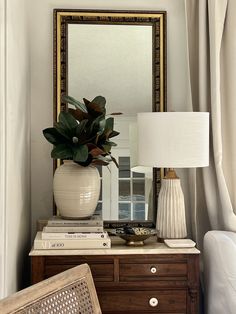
column 15, row 145
column 41, row 34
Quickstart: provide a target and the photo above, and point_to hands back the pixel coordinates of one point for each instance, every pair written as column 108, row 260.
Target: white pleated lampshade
column 173, row 139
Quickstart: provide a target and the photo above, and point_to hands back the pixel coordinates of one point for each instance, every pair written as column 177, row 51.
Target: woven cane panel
column 73, row 299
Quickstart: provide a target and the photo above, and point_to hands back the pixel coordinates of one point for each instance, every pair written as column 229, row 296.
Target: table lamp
column 172, row 140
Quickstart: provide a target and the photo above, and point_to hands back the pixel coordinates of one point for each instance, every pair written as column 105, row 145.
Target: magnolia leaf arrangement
column 83, row 134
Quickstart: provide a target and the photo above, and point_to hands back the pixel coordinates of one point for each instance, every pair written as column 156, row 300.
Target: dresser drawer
column 99, row 272
column 172, row 301
column 102, row 270
column 151, row 271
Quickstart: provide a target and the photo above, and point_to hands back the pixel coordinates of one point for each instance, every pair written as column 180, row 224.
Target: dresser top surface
column 119, row 248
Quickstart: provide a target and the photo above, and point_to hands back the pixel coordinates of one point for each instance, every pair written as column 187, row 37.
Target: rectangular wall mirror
column 120, row 55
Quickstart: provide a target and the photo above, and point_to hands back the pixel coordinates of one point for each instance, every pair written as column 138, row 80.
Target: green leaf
column 110, row 123
column 61, row 151
column 114, row 160
column 66, row 119
column 105, row 159
column 87, row 162
column 113, row 134
column 99, row 100
column 53, row 136
column 80, row 127
column 106, row 148
column 78, row 114
column 109, row 127
column 63, row 130
column 86, row 101
column 110, row 143
column 75, row 103
column 95, row 125
column 97, row 106
column 81, row 153
column 102, row 125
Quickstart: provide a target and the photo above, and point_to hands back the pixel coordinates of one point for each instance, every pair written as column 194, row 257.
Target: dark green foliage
column 83, row 134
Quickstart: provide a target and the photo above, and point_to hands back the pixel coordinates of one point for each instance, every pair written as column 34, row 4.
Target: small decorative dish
column 180, row 243
column 135, row 236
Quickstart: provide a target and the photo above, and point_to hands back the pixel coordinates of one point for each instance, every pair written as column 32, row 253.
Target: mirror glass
column 114, row 61
column 118, row 55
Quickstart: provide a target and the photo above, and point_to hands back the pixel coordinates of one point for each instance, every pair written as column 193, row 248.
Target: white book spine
column 73, row 229
column 75, row 224
column 72, row 244
column 94, row 221
column 73, row 235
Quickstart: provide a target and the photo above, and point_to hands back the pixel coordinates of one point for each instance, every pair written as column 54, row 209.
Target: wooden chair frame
column 56, row 294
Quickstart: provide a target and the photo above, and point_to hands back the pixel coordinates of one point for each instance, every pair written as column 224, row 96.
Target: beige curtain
column 211, row 40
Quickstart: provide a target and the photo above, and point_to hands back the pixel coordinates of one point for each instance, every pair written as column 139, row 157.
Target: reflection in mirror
column 127, row 191
column 114, row 61
column 121, row 56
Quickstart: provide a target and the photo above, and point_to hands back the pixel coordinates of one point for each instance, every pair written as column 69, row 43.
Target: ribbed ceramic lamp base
column 171, row 221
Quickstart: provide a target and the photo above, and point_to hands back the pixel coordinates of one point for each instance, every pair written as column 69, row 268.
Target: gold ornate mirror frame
column 157, row 20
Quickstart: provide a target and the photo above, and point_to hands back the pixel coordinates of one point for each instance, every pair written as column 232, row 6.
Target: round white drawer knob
column 153, row 302
column 153, row 270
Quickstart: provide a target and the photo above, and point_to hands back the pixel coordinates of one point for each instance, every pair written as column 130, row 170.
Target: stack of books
column 62, row 234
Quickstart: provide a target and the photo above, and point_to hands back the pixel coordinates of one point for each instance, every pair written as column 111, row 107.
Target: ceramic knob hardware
column 153, row 302
column 153, row 269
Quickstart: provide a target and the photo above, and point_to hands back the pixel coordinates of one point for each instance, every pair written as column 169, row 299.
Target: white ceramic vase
column 171, row 221
column 76, row 190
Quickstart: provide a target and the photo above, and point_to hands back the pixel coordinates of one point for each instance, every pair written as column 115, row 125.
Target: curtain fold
column 211, row 44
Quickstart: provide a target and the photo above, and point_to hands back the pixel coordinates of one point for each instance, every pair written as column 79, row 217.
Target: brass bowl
column 136, row 239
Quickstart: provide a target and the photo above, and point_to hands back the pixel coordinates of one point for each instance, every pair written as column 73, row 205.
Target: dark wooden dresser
column 148, row 279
